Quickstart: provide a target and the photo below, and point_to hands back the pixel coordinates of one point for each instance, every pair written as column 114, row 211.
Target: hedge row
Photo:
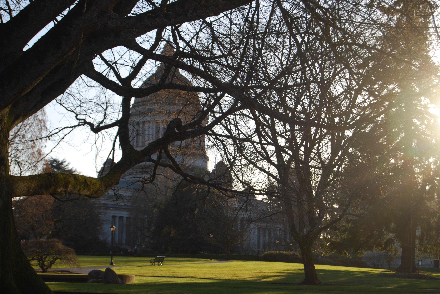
column 282, row 256
column 295, row 257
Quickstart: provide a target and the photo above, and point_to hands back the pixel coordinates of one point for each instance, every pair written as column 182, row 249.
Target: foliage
column 429, row 238
column 294, row 257
column 179, row 224
column 33, row 217
column 316, row 55
column 227, row 215
column 227, row 219
column 45, row 252
column 60, row 166
column 76, row 218
column 404, row 142
column 197, row 219
column 104, row 50
column 281, row 256
column 337, row 260
column 329, row 106
column 409, row 126
column 367, row 231
column 345, row 111
column 142, row 219
column 77, row 224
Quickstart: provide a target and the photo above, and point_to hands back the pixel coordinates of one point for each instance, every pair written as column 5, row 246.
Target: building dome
column 172, row 101
column 150, row 115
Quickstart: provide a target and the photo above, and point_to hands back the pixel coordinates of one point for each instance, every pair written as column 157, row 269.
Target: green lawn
column 184, row 275
column 87, row 261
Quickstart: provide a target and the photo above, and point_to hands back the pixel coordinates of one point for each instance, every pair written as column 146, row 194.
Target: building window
column 128, row 232
column 142, row 133
column 138, row 143
column 121, row 230
column 149, row 132
column 157, row 133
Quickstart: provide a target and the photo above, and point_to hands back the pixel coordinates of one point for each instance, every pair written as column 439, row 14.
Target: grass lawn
column 185, row 275
column 87, row 261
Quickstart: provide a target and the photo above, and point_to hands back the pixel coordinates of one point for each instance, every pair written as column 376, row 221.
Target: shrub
column 283, row 256
column 328, row 260
column 340, row 261
column 46, row 252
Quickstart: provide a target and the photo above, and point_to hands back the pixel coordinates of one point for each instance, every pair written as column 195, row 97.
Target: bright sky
column 78, row 148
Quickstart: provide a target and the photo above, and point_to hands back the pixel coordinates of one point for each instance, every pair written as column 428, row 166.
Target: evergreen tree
column 409, row 126
column 77, row 224
column 402, row 146
column 179, row 224
column 76, row 220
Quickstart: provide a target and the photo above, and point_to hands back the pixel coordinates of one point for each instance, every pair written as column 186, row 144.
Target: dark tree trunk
column 311, row 277
column 227, row 252
column 408, row 244
column 16, row 273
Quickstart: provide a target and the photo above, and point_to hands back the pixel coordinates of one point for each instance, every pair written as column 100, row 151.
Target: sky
column 79, row 148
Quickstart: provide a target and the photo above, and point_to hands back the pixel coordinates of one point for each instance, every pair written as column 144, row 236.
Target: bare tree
column 76, row 43
column 26, row 145
column 226, row 48
column 109, row 47
column 310, row 142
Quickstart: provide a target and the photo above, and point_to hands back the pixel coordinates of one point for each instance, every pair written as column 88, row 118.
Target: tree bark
column 16, row 273
column 407, row 259
column 311, row 277
column 227, row 252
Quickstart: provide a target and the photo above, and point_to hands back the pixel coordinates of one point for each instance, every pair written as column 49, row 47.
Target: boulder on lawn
column 110, row 277
column 96, row 274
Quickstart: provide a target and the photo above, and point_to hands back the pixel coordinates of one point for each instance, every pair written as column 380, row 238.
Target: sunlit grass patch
column 234, row 270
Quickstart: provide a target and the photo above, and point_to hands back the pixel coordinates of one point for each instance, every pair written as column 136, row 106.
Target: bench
column 158, row 260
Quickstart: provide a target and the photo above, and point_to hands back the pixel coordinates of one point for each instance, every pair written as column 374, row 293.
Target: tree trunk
column 227, row 252
column 16, row 274
column 407, row 260
column 311, row 277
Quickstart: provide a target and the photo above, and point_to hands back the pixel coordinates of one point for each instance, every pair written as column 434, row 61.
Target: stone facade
column 269, row 233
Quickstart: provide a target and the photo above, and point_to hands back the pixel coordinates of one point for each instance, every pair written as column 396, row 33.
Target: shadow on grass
column 197, row 287
column 334, row 281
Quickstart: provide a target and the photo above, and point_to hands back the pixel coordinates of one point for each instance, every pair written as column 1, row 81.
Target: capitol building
column 149, row 117
column 131, row 205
